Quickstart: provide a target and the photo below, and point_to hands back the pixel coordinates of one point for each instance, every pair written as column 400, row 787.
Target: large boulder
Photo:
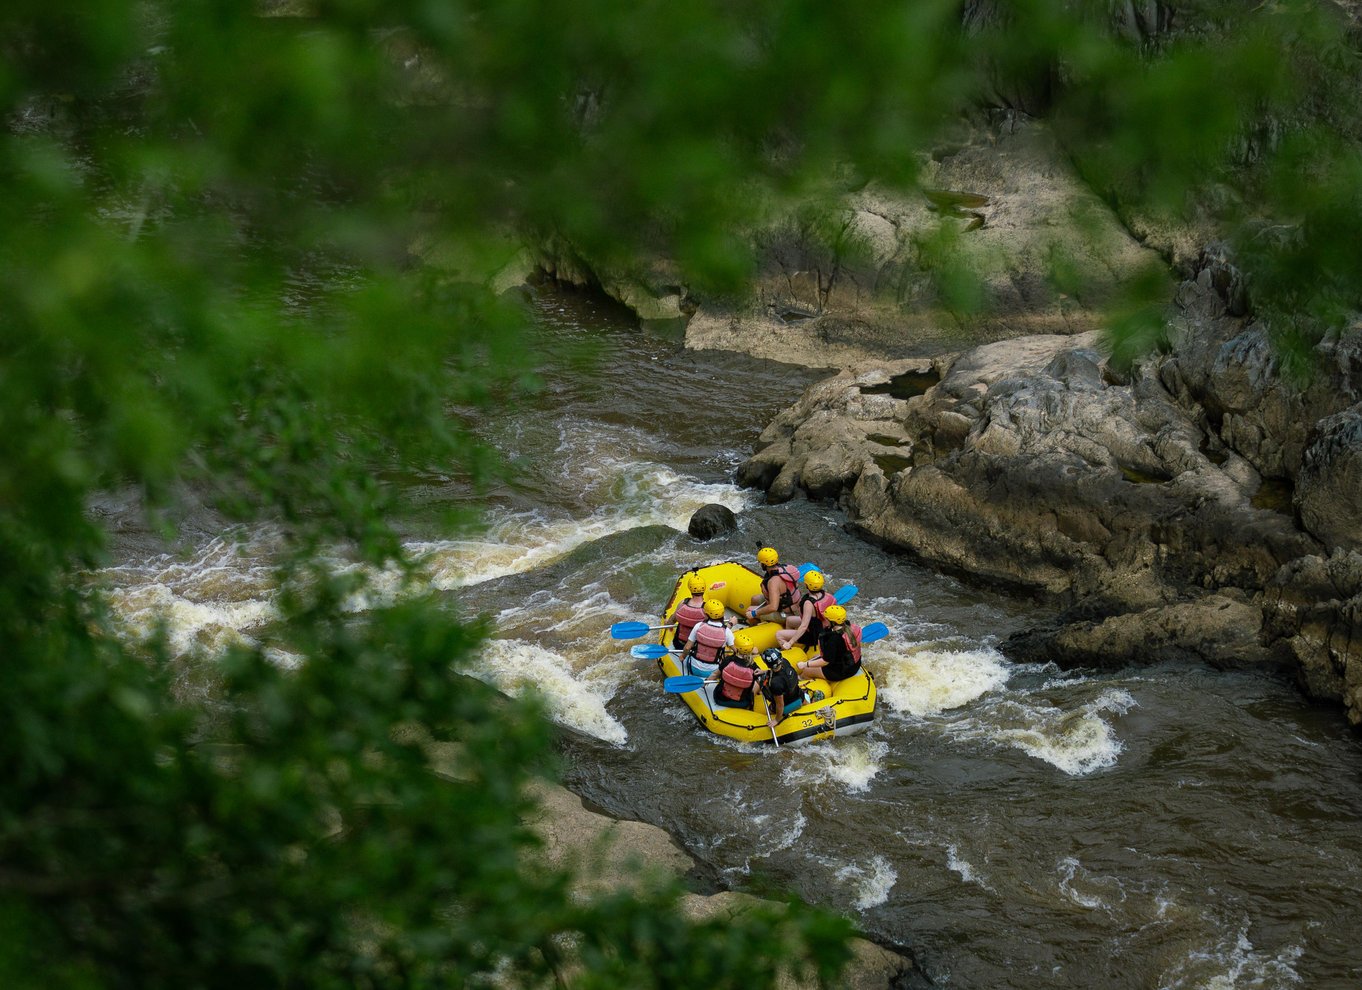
column 1329, row 486
column 1035, row 465
column 1313, row 607
column 712, row 520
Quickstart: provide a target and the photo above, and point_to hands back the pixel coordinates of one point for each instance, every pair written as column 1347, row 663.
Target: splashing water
column 1234, row 964
column 852, row 764
column 872, row 882
column 1077, row 742
column 517, row 542
column 928, row 681
column 575, row 699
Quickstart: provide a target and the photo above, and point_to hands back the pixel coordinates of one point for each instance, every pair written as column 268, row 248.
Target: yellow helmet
column 767, row 557
column 836, row 614
column 814, row 581
column 696, row 584
column 742, row 642
column 714, row 609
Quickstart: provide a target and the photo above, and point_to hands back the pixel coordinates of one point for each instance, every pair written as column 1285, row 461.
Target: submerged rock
column 612, row 854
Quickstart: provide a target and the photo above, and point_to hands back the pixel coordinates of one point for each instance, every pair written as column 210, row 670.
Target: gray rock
column 712, row 520
column 1313, row 607
column 1329, row 487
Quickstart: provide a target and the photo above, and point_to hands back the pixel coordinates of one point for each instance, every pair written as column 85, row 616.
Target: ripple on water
column 1233, row 963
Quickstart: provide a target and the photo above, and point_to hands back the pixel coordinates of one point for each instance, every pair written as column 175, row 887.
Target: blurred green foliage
column 210, row 282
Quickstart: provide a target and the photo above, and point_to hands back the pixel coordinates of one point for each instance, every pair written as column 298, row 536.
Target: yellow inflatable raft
column 847, row 707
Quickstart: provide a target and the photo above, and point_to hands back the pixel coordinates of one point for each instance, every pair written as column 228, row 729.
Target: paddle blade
column 683, row 684
column 628, row 630
column 844, row 595
column 805, row 568
column 651, row 651
column 874, row 631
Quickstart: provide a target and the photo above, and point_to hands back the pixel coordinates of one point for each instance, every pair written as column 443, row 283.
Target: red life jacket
column 789, row 575
column 735, row 680
column 710, row 639
column 687, row 614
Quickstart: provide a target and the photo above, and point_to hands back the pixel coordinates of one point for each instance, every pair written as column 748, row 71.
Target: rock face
column 712, row 520
column 1156, row 507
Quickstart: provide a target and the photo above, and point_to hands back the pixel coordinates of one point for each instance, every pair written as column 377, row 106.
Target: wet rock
column 1329, row 487
column 1313, row 607
column 1028, row 465
column 1215, row 628
column 712, row 520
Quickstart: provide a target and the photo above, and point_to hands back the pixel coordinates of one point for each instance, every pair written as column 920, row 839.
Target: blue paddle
column 843, row 595
column 805, row 568
column 652, row 651
column 632, row 630
column 683, row 684
column 874, row 631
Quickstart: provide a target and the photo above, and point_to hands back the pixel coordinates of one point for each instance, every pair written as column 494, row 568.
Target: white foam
column 516, row 542
column 573, row 698
column 873, row 882
column 927, row 681
column 1235, row 964
column 189, row 625
column 1077, row 742
column 853, row 763
column 1080, row 886
column 958, row 864
column 776, row 836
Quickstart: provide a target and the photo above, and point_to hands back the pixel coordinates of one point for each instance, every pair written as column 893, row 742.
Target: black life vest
column 789, row 576
column 821, row 601
column 783, row 680
column 842, row 651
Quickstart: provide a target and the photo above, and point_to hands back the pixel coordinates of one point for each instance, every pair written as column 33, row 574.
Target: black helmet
column 772, row 656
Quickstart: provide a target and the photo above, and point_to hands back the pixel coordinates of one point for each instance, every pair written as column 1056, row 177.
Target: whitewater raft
column 847, row 707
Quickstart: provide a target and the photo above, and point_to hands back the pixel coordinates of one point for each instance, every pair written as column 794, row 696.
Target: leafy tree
column 171, row 168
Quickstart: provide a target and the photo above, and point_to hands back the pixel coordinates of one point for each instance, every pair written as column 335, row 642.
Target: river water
column 1014, row 826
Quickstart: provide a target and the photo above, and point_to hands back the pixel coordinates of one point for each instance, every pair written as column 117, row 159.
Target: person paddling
column 779, row 583
column 690, row 612
column 780, row 686
column 736, row 674
column 707, row 640
column 839, row 648
column 805, row 626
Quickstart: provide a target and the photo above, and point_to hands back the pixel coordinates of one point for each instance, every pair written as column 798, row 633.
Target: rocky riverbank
column 1198, row 504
